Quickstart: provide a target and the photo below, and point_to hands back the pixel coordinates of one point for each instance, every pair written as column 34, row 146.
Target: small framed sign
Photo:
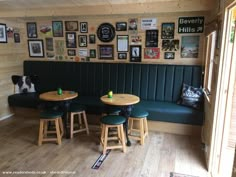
column 106, row 32
column 121, row 26
column 167, row 30
column 71, row 52
column 151, row 38
column 57, row 28
column 17, row 37
column 70, row 39
column 92, row 53
column 106, row 52
column 71, row 25
column 82, row 40
column 83, row 27
column 122, row 56
column 3, row 33
column 135, row 53
column 92, row 39
column 191, row 25
column 36, row 48
column 31, row 30
column 122, row 43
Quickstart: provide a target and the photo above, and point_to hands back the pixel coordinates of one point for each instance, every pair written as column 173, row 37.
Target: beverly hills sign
column 191, row 25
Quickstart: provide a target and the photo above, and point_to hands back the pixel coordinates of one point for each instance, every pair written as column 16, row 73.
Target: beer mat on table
column 100, row 160
column 173, row 174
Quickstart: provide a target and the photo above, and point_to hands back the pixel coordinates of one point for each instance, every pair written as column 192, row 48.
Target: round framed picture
column 106, row 32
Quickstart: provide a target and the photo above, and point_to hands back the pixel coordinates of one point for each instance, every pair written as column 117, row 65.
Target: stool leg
column 58, row 131
column 41, row 125
column 141, row 132
column 105, row 140
column 146, row 126
column 45, row 130
column 79, row 121
column 85, row 122
column 102, row 134
column 122, row 137
column 61, row 126
column 71, row 125
column 131, row 125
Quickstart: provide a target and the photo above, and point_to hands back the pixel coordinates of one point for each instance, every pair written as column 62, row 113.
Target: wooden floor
column 161, row 154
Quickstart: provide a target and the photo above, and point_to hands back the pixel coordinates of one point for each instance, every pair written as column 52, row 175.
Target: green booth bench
column 158, row 86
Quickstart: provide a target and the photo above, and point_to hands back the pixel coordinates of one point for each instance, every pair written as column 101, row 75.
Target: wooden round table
column 126, row 102
column 64, row 98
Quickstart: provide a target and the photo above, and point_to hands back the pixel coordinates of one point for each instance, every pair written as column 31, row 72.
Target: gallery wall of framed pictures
column 157, row 39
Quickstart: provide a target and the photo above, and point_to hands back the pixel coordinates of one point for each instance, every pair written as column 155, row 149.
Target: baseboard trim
column 6, row 117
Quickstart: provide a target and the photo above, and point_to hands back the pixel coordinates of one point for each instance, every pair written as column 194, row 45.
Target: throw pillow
column 191, row 96
column 23, row 84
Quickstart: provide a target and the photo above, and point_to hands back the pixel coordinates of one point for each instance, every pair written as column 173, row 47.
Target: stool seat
column 50, row 114
column 113, row 120
column 137, row 113
column 76, row 108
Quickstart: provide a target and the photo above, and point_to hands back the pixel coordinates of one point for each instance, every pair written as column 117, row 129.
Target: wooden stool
column 54, row 117
column 113, row 121
column 141, row 117
column 82, row 125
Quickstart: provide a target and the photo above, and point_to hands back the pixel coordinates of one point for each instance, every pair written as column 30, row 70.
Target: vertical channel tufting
column 188, row 75
column 90, row 79
column 161, row 79
column 197, row 76
column 152, row 75
column 129, row 78
column 169, row 83
column 178, row 80
column 106, row 78
column 121, row 78
column 144, row 82
column 136, row 79
column 98, row 79
column 113, row 77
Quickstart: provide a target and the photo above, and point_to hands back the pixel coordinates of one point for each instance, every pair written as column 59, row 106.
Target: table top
column 120, row 99
column 53, row 96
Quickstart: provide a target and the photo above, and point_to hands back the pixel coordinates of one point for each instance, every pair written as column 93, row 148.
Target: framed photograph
column 169, row 55
column 122, row 43
column 135, row 53
column 31, row 30
column 83, row 27
column 16, row 37
column 106, row 52
column 151, row 38
column 190, row 46
column 136, row 40
column 70, row 39
column 71, row 25
column 152, row 53
column 3, row 33
column 121, row 26
column 49, row 44
column 133, row 25
column 167, row 30
column 82, row 40
column 92, row 39
column 92, row 53
column 57, row 28
column 170, row 45
column 36, row 48
column 122, row 56
column 71, row 52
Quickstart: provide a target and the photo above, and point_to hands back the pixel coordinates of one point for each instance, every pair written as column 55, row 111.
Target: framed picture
column 121, row 26
column 71, row 52
column 133, row 25
column 49, row 44
column 83, row 27
column 70, row 39
column 190, row 46
column 167, row 30
column 71, row 25
column 122, row 43
column 170, row 45
column 82, row 40
column 151, row 38
column 92, row 53
column 135, row 53
column 16, row 37
column 152, row 53
column 92, row 39
column 169, row 55
column 57, row 28
column 106, row 52
column 122, row 56
column 3, row 33
column 31, row 30
column 36, row 48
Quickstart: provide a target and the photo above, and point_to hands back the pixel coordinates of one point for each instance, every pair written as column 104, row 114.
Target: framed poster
column 16, row 37
column 122, row 56
column 70, row 39
column 92, row 39
column 106, row 32
column 71, row 25
column 167, row 30
column 57, row 28
column 151, row 38
column 121, row 26
column 82, row 40
column 152, row 53
column 133, row 25
column 169, row 55
column 45, row 28
column 136, row 40
column 92, row 53
column 170, row 45
column 122, row 43
column 135, row 53
column 36, row 48
column 106, row 52
column 189, row 46
column 3, row 33
column 83, row 27
column 31, row 30
column 71, row 52
column 49, row 44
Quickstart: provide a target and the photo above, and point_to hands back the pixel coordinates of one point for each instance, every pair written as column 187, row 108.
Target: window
column 209, row 63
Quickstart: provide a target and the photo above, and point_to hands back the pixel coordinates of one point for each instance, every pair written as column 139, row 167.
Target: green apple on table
column 110, row 93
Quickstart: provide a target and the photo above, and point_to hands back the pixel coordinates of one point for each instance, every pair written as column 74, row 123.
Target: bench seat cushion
column 171, row 112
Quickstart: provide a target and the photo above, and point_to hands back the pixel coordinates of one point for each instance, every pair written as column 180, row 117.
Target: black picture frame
column 106, row 32
column 169, row 55
column 83, row 27
column 92, row 39
column 71, row 52
column 70, row 39
column 92, row 53
column 49, row 44
column 151, row 38
column 36, row 48
column 106, row 52
column 3, row 33
column 122, row 56
column 121, row 26
column 167, row 30
column 82, row 39
column 71, row 25
column 17, row 37
column 135, row 53
column 57, row 28
column 32, row 30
